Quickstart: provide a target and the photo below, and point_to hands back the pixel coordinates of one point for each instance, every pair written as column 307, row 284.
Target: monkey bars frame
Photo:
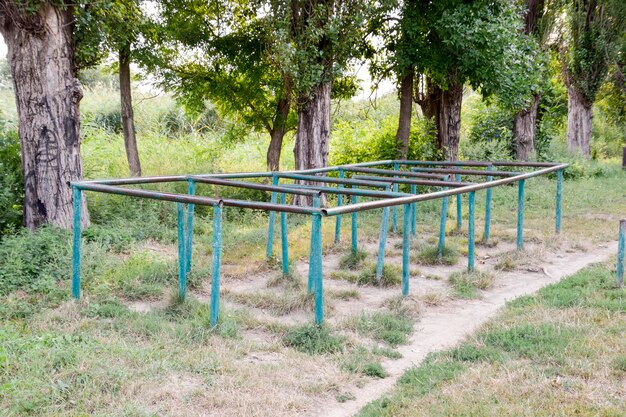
column 374, row 180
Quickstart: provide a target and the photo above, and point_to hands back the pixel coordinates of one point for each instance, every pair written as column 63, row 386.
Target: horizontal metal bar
column 155, row 195
column 253, row 186
column 394, row 172
column 438, row 194
column 258, row 205
column 467, row 172
column 479, row 163
column 331, row 180
column 350, row 191
column 433, row 183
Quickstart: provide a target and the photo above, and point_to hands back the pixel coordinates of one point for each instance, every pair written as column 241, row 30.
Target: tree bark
column 579, row 117
column 128, row 122
column 525, row 129
column 449, row 120
column 406, row 111
column 47, row 95
column 313, row 134
column 277, row 132
column 429, row 99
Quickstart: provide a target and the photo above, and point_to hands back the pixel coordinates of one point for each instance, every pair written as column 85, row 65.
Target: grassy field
column 129, row 348
column 559, row 353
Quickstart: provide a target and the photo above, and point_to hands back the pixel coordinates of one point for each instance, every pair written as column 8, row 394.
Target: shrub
column 313, row 339
column 11, row 180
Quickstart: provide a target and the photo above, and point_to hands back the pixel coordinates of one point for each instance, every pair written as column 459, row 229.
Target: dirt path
column 443, row 327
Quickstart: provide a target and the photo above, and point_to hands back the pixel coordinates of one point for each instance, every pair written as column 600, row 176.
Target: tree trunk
column 525, row 128
column 128, row 121
column 579, row 116
column 429, row 99
column 449, row 120
column 406, row 111
column 313, row 134
column 277, row 132
column 47, row 95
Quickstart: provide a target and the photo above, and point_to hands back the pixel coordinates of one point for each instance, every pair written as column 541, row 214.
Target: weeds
column 466, row 284
column 313, row 339
column 352, row 260
column 391, row 328
column 429, row 255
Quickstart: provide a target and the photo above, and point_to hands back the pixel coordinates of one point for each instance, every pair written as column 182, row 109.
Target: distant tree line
column 275, row 65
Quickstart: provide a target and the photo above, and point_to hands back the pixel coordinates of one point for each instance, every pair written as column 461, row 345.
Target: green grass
column 361, row 361
column 392, row 328
column 313, row 339
column 544, row 348
column 352, row 260
column 467, row 284
column 429, row 255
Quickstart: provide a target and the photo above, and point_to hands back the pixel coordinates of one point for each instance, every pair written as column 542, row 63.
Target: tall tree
column 453, row 42
column 316, row 40
column 114, row 27
column 594, row 36
column 219, row 51
column 525, row 120
column 43, row 64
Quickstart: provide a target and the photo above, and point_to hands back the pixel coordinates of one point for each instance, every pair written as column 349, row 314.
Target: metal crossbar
column 373, row 180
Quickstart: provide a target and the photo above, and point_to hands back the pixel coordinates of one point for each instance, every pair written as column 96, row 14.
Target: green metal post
column 395, row 208
column 384, row 227
column 191, row 190
column 621, row 247
column 269, row 251
column 488, row 208
column 284, row 236
column 442, row 226
column 182, row 252
column 459, row 206
column 406, row 241
column 520, row 215
column 312, row 254
column 216, row 265
column 470, row 231
column 355, row 232
column 559, row 193
column 315, row 266
column 339, row 203
column 77, row 206
column 413, row 211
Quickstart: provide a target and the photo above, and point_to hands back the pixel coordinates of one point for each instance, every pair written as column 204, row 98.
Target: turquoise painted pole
column 315, row 266
column 384, row 227
column 459, row 206
column 216, row 265
column 470, row 231
column 520, row 215
column 395, row 208
column 559, row 193
column 488, row 208
column 406, row 242
column 269, row 251
column 283, row 236
column 442, row 226
column 355, row 231
column 413, row 211
column 339, row 203
column 621, row 247
column 312, row 251
column 191, row 190
column 182, row 252
column 77, row 205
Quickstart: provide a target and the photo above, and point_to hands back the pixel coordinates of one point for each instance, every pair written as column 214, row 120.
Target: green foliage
column 391, row 328
column 479, row 41
column 34, row 262
column 429, row 255
column 361, row 140
column 466, row 284
column 313, row 339
column 543, row 341
column 352, row 260
column 392, row 275
column 11, row 180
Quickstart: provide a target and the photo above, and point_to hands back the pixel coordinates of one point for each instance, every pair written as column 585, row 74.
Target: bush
column 34, row 261
column 368, row 140
column 11, row 181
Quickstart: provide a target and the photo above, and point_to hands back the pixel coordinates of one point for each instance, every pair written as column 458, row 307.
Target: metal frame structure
column 378, row 180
